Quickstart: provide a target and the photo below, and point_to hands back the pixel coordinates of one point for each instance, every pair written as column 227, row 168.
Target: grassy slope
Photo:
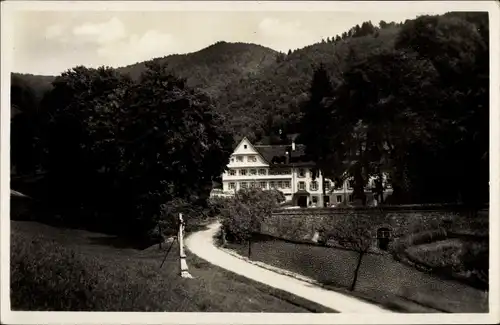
column 382, row 280
column 67, row 269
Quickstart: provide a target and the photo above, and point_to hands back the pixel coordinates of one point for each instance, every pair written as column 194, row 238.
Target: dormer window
column 302, row 172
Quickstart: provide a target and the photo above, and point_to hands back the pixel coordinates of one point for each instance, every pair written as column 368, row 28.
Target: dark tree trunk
column 223, row 234
column 249, row 247
column 161, row 238
column 324, row 190
column 380, row 188
column 356, row 272
column 359, row 189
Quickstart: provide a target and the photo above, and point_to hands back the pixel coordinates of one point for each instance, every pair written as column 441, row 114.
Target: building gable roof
column 245, row 139
column 277, row 154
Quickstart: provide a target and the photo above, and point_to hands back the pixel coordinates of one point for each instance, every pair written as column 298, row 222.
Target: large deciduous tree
column 120, row 151
column 175, row 142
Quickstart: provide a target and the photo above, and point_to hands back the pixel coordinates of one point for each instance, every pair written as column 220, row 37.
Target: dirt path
column 201, row 244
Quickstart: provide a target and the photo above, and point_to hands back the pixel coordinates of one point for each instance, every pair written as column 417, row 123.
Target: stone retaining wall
column 302, row 224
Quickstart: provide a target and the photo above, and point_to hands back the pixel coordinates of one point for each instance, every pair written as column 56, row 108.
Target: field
column 55, row 269
column 381, row 280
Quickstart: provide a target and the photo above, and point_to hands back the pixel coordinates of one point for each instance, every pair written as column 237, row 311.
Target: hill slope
column 269, row 101
column 258, row 88
column 212, row 68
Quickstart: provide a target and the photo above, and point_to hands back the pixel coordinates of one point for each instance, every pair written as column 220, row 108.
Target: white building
column 285, row 168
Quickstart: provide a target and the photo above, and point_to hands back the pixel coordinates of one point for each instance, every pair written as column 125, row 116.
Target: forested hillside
column 212, row 68
column 270, row 101
column 260, row 89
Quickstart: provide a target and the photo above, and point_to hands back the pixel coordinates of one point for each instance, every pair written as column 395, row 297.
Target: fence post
column 182, row 255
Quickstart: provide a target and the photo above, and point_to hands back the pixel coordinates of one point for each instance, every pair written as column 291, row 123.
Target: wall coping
column 380, row 208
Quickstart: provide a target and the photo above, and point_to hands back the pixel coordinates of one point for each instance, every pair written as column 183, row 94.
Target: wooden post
column 182, row 256
column 250, row 246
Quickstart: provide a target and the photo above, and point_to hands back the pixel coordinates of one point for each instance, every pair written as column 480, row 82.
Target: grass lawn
column 55, row 269
column 381, row 279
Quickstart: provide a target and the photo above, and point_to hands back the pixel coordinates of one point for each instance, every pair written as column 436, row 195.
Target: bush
column 467, row 260
column 427, row 236
column 243, row 214
column 418, row 238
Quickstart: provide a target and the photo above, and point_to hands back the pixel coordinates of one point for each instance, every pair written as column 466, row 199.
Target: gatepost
column 183, row 265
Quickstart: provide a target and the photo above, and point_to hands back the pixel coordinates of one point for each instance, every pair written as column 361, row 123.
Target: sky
column 50, row 42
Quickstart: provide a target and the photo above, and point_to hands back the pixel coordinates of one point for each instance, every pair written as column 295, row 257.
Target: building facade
column 284, row 168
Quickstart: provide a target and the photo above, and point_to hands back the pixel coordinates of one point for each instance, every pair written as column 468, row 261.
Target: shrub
column 427, row 236
column 419, row 238
column 442, row 254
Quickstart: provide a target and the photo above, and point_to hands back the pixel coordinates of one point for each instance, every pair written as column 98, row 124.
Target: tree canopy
column 417, row 110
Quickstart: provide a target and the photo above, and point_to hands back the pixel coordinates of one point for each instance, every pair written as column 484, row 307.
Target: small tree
column 354, row 234
column 243, row 215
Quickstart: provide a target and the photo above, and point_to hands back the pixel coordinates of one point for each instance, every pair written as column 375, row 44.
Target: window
column 239, row 159
column 232, row 160
column 350, row 198
column 328, row 185
column 232, row 186
column 302, row 173
column 232, row 172
column 302, row 186
column 339, row 198
column 245, row 146
column 252, row 159
column 243, row 185
column 253, row 172
column 315, row 200
column 262, row 172
column 280, row 171
column 263, row 185
column 280, row 184
column 272, row 184
column 243, row 172
column 286, row 184
column 253, row 185
column 314, row 186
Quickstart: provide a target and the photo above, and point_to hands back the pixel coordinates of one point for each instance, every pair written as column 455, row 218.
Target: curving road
column 202, row 244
